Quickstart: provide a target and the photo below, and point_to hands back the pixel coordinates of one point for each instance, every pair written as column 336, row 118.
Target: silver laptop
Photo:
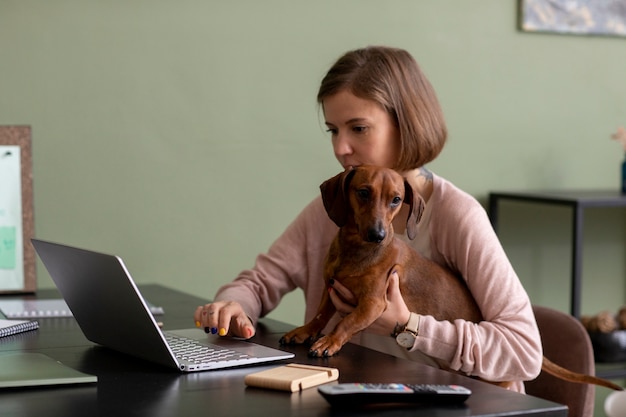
column 110, row 311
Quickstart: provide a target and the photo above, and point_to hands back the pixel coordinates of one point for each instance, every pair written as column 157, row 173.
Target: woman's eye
column 359, row 129
column 332, row 131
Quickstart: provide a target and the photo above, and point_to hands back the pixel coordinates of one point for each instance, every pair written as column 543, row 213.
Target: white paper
column 11, row 233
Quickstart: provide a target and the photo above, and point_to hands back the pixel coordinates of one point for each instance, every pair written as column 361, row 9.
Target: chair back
column 566, row 343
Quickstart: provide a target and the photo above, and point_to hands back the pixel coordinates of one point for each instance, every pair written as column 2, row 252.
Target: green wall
column 185, row 136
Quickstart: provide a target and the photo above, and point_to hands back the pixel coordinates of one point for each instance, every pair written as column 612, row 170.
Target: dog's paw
column 324, row 347
column 300, row 335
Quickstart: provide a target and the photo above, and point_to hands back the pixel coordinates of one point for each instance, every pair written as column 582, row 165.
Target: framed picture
column 17, row 256
column 579, row 17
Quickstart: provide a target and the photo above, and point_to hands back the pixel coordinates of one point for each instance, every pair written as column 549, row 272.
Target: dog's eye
column 363, row 194
column 396, row 201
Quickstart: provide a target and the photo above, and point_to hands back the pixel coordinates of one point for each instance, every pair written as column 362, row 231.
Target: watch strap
column 413, row 324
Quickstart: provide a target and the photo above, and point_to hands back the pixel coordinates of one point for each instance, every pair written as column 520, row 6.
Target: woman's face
column 362, row 132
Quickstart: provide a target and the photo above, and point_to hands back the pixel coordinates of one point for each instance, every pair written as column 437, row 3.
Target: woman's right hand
column 395, row 313
column 224, row 318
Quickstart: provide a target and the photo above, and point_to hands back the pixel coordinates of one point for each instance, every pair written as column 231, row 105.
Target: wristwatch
column 406, row 338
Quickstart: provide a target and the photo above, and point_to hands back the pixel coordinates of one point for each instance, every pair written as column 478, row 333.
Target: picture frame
column 575, row 17
column 17, row 226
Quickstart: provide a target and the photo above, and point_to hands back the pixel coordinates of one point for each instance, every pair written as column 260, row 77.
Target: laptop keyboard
column 193, row 351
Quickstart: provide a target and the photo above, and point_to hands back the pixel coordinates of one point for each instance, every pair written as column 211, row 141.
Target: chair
column 566, row 343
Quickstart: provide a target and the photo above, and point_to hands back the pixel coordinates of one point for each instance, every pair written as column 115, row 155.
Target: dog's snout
column 376, row 234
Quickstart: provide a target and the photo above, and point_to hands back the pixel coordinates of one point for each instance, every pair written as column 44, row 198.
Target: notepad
column 292, row 377
column 18, row 308
column 10, row 327
column 29, row 369
column 42, row 308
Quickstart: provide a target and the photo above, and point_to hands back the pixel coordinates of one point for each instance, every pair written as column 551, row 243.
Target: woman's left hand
column 396, row 312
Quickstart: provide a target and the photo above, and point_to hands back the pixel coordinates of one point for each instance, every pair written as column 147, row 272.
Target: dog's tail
column 562, row 373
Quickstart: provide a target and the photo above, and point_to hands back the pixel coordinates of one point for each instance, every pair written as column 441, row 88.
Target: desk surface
column 128, row 386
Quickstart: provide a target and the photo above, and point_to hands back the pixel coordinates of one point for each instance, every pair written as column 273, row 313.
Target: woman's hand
column 396, row 312
column 224, row 318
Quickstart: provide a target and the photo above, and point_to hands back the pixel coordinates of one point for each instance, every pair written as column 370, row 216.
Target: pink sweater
column 454, row 231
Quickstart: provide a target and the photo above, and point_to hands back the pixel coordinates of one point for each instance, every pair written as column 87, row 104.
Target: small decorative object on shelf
column 620, row 136
column 608, row 335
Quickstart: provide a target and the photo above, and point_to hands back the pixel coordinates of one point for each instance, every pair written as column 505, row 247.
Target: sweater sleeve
column 505, row 346
column 294, row 260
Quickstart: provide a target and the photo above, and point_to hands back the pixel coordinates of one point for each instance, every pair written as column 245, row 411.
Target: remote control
column 369, row 393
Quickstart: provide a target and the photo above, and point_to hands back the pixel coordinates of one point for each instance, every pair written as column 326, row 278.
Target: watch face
column 406, row 339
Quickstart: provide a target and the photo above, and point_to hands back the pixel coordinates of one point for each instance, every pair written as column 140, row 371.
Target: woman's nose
column 341, row 145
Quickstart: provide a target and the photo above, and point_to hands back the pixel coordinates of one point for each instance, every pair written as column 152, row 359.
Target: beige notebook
column 292, row 377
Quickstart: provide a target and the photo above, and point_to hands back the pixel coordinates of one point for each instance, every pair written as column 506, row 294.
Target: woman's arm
column 293, row 261
column 505, row 346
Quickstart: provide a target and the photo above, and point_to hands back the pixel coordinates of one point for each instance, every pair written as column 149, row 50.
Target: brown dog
column 363, row 202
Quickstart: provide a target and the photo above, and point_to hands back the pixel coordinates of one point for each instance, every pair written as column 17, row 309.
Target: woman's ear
column 416, row 208
column 335, row 196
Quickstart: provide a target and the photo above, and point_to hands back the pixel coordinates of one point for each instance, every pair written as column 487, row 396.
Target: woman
column 381, row 110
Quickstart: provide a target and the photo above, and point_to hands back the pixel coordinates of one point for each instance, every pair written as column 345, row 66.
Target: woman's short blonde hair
column 392, row 78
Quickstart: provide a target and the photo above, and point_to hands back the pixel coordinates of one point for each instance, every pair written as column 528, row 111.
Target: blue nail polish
column 213, row 330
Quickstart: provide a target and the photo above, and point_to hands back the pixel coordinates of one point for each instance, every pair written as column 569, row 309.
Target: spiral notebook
column 11, row 327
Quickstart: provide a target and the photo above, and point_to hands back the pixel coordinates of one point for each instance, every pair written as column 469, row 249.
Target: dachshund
column 363, row 202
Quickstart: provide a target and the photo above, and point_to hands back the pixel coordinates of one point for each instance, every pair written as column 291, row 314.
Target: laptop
column 110, row 311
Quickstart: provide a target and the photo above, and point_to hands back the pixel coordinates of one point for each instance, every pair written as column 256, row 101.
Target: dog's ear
column 335, row 197
column 416, row 208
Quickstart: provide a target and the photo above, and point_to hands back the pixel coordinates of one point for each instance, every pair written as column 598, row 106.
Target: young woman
column 381, row 110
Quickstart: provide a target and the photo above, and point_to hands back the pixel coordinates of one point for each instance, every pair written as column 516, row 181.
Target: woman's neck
column 421, row 179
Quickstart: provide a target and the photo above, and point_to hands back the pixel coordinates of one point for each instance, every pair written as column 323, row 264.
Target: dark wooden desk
column 578, row 201
column 131, row 387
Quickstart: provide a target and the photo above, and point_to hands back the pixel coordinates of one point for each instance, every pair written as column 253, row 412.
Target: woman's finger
column 344, row 293
column 224, row 318
column 342, row 307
